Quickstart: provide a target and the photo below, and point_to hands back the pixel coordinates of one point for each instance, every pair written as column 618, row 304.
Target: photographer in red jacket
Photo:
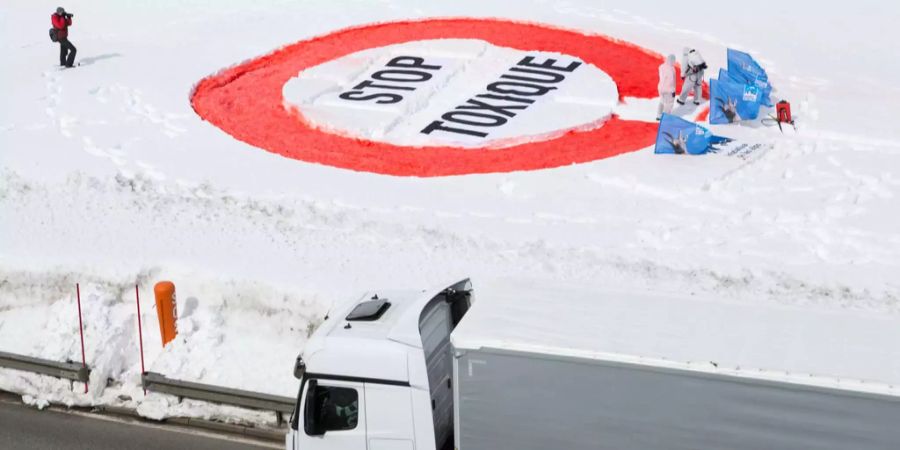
column 61, row 22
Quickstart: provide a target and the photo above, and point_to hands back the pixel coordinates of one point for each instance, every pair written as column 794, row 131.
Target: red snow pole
column 81, row 331
column 137, row 296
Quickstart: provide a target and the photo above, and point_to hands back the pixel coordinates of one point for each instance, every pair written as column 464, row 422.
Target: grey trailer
column 564, row 369
column 533, row 401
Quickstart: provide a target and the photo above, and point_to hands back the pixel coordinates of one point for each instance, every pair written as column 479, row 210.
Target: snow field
column 109, row 179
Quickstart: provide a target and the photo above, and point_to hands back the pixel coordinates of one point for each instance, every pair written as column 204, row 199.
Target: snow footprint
column 136, row 105
column 114, row 154
column 151, row 172
column 100, row 94
column 54, row 93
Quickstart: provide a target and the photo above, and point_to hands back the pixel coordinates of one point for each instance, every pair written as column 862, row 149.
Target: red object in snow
column 246, row 101
column 783, row 112
column 61, row 23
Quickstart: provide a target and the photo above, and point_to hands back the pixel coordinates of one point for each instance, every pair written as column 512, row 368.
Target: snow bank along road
column 109, row 178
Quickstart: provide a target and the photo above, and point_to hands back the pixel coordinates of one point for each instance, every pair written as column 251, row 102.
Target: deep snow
column 109, row 179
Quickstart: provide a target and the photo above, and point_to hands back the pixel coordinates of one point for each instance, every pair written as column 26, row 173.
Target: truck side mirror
column 311, row 425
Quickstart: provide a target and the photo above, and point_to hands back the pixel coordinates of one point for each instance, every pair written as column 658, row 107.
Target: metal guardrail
column 155, row 382
column 68, row 370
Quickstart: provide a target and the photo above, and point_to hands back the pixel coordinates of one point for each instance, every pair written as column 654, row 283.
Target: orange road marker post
column 166, row 310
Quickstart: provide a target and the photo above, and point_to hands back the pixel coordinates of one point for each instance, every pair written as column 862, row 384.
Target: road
column 22, row 427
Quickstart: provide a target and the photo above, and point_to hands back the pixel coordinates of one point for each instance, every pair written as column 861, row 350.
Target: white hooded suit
column 666, row 87
column 692, row 70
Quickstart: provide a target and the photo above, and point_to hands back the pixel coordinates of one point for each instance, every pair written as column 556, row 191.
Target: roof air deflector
column 369, row 310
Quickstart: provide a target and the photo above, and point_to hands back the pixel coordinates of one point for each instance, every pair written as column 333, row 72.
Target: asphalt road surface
column 22, row 427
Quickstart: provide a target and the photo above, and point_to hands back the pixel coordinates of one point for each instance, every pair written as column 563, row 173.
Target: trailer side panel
column 533, row 401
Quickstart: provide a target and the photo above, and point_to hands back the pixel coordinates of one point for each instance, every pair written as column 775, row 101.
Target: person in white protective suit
column 692, row 68
column 666, row 87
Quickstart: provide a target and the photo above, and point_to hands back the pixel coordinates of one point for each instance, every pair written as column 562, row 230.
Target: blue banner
column 724, row 75
column 732, row 102
column 679, row 136
column 744, row 69
column 765, row 89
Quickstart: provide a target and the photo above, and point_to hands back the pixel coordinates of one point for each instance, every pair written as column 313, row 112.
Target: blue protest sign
column 744, row 69
column 732, row 102
column 679, row 136
column 724, row 75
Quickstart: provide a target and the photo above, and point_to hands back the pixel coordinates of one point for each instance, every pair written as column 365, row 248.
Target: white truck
column 542, row 369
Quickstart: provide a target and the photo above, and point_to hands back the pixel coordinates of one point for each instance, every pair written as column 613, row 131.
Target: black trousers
column 66, row 53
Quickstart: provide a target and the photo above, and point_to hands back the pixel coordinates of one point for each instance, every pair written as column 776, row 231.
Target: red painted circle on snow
column 246, row 101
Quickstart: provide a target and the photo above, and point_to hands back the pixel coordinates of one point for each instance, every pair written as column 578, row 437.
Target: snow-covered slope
column 109, row 178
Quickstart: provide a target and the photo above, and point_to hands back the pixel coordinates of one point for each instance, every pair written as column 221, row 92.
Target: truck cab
column 377, row 374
